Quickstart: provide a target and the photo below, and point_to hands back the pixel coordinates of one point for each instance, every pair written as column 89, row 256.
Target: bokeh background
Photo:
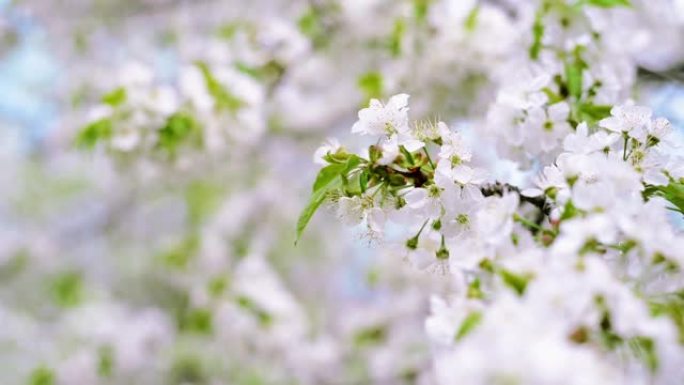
column 126, row 267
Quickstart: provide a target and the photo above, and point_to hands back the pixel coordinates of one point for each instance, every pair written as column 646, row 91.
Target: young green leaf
column 674, row 193
column 573, row 74
column 178, row 128
column 327, row 175
column 116, row 97
column 592, row 113
column 370, row 336
column 42, row 376
column 607, row 3
column 328, row 179
column 314, row 203
column 363, row 180
column 469, row 324
column 420, row 10
column 537, row 36
column 198, row 321
column 105, row 362
column 371, row 84
column 396, row 38
column 516, row 282
column 223, row 98
column 471, row 21
column 310, row 24
column 67, row 289
column 93, row 133
column 644, row 348
column 264, row 318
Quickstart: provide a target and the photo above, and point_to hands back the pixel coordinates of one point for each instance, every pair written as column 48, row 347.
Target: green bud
column 437, row 225
column 442, row 253
column 412, row 243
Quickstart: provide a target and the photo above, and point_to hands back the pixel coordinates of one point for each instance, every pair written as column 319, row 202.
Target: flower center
column 462, row 219
column 389, row 128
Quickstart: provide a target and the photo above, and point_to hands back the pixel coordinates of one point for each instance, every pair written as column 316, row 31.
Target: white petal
column 398, row 101
column 413, row 145
column 531, row 192
column 559, row 111
column 462, row 174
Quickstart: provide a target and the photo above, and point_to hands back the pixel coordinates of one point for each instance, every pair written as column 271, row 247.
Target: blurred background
column 174, row 262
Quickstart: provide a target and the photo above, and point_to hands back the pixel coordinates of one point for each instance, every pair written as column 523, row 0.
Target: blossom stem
column 427, row 154
column 526, row 222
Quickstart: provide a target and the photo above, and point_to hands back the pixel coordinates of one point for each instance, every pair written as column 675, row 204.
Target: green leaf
column 371, row 84
column 363, row 180
column 674, row 193
column 516, row 282
column 201, row 198
column 42, row 376
column 198, row 321
column 573, row 77
column 569, row 211
column 105, row 362
column 251, row 71
column 373, row 335
column 420, row 10
column 553, row 97
column 93, row 133
column 471, row 21
column 188, row 369
column 228, row 31
column 672, row 306
column 315, row 202
column 396, row 38
column 217, row 286
column 268, row 72
column 180, row 255
column 328, row 179
column 264, row 318
column 312, row 24
column 606, row 3
column 644, row 349
column 475, row 290
column 469, row 324
column 116, row 97
column 574, row 68
column 537, row 36
column 327, row 175
column 409, row 158
column 592, row 113
column 225, row 100
column 67, row 289
column 309, row 23
column 178, row 128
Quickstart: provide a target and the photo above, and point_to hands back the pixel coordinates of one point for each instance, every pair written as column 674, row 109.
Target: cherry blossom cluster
column 594, row 219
